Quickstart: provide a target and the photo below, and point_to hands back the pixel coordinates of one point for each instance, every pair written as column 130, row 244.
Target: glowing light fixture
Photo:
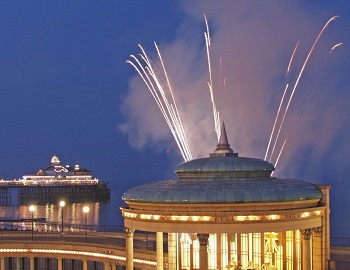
column 62, row 204
column 32, row 209
column 86, row 211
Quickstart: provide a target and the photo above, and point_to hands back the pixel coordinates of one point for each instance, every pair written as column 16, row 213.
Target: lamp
column 62, row 204
column 86, row 211
column 32, row 209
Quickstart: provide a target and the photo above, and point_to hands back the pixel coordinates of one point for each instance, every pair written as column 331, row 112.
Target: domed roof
column 228, row 166
column 214, row 191
column 224, row 178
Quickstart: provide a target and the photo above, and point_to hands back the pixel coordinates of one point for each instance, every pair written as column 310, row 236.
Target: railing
column 340, row 241
column 77, row 233
column 38, row 236
column 117, row 240
column 42, row 225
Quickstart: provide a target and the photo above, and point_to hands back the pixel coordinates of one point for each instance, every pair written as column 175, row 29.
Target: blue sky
column 63, row 77
column 66, row 87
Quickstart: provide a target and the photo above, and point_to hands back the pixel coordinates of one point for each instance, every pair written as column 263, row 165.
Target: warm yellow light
column 187, row 218
column 273, row 217
column 144, row 216
column 305, row 214
column 130, row 215
column 254, row 217
column 32, row 208
column 86, row 209
column 62, row 203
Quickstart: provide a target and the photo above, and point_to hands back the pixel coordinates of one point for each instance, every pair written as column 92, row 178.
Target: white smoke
column 255, row 41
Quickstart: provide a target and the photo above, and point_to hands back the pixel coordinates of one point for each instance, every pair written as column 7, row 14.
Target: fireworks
column 294, row 88
column 292, row 57
column 210, row 83
column 336, row 46
column 164, row 97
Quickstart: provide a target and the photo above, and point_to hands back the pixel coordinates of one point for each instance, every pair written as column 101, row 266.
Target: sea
column 102, row 216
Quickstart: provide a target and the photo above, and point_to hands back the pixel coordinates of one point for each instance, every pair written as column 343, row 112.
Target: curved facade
column 227, row 212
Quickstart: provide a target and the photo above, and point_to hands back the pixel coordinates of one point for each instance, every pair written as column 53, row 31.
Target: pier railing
column 142, row 241
column 43, row 226
column 340, row 241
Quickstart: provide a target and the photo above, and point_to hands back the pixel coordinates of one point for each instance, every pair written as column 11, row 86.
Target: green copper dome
column 224, row 178
column 219, row 191
column 228, row 166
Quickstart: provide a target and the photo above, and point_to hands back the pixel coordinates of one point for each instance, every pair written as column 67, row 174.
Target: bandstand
column 229, row 212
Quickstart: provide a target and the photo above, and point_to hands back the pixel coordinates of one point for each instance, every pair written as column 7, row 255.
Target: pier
column 55, row 182
column 51, row 192
column 72, row 193
column 5, row 195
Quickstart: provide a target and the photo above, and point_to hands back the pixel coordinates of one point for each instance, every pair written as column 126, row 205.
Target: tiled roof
column 235, row 190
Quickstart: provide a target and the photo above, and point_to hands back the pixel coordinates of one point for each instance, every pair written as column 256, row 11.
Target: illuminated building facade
column 56, row 172
column 57, row 181
column 228, row 212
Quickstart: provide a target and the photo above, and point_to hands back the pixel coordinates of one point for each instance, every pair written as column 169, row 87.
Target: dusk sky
column 66, row 87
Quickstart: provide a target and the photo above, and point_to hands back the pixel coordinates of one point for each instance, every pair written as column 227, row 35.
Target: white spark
column 167, row 107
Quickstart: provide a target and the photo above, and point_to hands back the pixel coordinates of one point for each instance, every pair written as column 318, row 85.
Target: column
column 239, row 249
column 129, row 233
column 85, row 264
column 172, row 251
column 114, row 266
column 229, row 239
column 325, row 227
column 317, row 262
column 59, row 264
column 282, row 238
column 179, row 251
column 203, row 253
column 218, row 249
column 31, row 263
column 107, row 266
column 306, row 248
column 262, row 248
column 2, row 263
column 159, row 245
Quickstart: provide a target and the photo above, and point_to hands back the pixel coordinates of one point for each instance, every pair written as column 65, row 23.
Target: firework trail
column 335, row 46
column 297, row 80
column 180, row 129
column 292, row 57
column 167, row 106
column 274, row 124
column 210, row 83
column 279, row 154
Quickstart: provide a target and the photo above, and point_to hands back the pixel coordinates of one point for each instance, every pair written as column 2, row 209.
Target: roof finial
column 223, row 146
column 55, row 160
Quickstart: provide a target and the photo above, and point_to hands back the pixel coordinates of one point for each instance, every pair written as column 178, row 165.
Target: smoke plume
column 255, row 41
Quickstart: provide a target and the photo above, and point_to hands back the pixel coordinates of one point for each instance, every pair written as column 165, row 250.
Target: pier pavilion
column 229, row 212
column 57, row 181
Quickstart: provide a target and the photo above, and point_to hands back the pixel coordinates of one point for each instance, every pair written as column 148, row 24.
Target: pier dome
column 224, row 178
